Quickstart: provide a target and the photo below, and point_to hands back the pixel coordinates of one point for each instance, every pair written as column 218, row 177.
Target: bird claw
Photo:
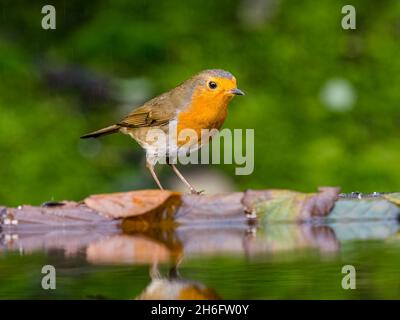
column 193, row 191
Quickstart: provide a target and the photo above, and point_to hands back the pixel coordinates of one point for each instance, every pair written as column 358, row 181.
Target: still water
column 277, row 261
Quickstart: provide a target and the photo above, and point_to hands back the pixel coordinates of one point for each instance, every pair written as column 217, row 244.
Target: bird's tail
column 102, row 132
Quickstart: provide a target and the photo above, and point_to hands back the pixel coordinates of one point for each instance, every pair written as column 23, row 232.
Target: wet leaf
column 203, row 209
column 393, row 197
column 130, row 204
column 364, row 209
column 68, row 215
column 286, row 205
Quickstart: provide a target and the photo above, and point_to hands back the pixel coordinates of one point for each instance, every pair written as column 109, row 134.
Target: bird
column 173, row 287
column 201, row 102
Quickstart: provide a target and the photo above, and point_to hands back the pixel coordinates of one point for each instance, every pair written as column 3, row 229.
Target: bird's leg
column 153, row 174
column 180, row 176
column 154, row 271
column 174, row 270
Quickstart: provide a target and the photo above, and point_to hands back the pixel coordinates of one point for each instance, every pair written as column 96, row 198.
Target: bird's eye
column 212, row 85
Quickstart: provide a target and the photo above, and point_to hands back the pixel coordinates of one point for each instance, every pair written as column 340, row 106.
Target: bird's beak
column 236, row 91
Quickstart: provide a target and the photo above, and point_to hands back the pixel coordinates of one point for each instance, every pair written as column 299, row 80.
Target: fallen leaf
column 131, row 204
column 286, row 205
column 68, row 215
column 200, row 209
column 364, row 209
column 393, row 197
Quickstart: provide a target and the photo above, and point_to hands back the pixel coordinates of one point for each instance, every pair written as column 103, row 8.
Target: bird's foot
column 194, row 191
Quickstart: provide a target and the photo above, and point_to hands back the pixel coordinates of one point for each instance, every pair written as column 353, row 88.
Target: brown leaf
column 130, row 204
column 211, row 208
column 69, row 214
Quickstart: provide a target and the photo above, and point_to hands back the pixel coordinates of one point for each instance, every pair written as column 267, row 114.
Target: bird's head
column 216, row 84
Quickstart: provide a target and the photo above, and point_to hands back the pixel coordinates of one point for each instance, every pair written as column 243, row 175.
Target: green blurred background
column 324, row 102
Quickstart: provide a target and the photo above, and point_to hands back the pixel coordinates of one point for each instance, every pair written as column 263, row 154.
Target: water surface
column 277, row 261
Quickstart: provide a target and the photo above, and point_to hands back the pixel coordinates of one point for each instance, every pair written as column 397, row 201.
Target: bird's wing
column 156, row 112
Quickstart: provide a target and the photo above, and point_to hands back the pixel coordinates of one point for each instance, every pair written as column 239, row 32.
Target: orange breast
column 204, row 113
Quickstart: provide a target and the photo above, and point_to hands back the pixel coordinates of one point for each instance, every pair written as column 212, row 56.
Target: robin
column 200, row 102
